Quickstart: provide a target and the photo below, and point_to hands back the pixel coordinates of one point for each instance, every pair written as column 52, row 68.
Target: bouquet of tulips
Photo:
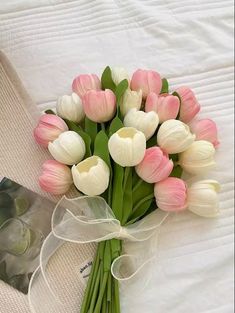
column 128, row 141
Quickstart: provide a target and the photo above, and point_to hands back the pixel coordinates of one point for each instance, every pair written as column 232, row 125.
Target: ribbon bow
column 86, row 220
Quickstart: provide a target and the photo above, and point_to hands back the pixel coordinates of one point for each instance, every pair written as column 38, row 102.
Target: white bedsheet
column 188, row 41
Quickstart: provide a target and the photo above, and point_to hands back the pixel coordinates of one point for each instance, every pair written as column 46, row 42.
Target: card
column 24, row 223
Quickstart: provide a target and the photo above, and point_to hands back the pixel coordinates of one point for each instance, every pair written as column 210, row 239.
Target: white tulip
column 119, row 74
column 198, row 158
column 69, row 148
column 127, row 146
column 131, row 99
column 91, row 176
column 174, row 136
column 70, row 107
column 147, row 123
column 202, row 198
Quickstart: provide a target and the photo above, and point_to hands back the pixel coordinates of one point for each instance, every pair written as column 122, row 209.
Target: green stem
column 116, row 295
column 101, row 293
column 104, row 302
column 109, row 288
column 95, row 291
column 103, row 127
column 89, row 287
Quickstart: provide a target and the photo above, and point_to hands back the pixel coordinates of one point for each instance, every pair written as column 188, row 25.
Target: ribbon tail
column 41, row 295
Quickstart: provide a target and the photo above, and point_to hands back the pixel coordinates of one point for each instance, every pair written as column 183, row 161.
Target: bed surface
column 189, row 42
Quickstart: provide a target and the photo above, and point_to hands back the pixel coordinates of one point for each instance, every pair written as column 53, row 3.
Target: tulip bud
column 171, row 194
column 189, row 105
column 203, row 198
column 99, row 106
column 119, row 74
column 48, row 129
column 147, row 123
column 91, row 176
column 174, row 136
column 166, row 106
column 205, row 129
column 70, row 107
column 147, row 81
column 127, row 146
column 198, row 158
column 83, row 83
column 69, row 148
column 155, row 165
column 56, row 178
column 131, row 99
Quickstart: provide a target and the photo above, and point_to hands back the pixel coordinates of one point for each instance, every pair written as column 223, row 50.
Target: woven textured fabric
column 20, row 160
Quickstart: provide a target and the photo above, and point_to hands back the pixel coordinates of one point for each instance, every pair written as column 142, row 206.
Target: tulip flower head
column 127, row 146
column 147, row 81
column 205, row 129
column 91, row 176
column 131, row 99
column 198, row 158
column 56, row 178
column 166, row 106
column 119, row 74
column 48, row 129
column 83, row 83
column 174, row 136
column 99, row 106
column 189, row 106
column 203, row 198
column 155, row 165
column 171, row 194
column 69, row 148
column 70, row 108
column 145, row 122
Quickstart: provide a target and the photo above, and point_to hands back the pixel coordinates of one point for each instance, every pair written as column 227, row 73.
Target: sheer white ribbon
column 90, row 219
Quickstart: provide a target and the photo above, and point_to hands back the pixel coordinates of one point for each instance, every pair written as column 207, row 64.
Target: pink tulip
column 165, row 105
column 56, row 178
column 205, row 129
column 99, row 106
column 155, row 165
column 189, row 105
column 83, row 83
column 147, row 81
column 171, row 194
column 48, row 129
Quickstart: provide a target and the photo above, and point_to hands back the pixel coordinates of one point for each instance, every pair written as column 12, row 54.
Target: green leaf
column 177, row 171
column 72, row 126
column 142, row 190
column 121, row 88
column 49, row 111
column 115, row 125
column 141, row 210
column 165, row 86
column 174, row 157
column 117, row 192
column 106, row 80
column 151, row 142
column 101, row 147
column 87, row 141
column 177, row 95
column 91, row 129
column 127, row 198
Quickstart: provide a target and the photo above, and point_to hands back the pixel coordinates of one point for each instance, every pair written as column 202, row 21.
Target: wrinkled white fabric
column 191, row 43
